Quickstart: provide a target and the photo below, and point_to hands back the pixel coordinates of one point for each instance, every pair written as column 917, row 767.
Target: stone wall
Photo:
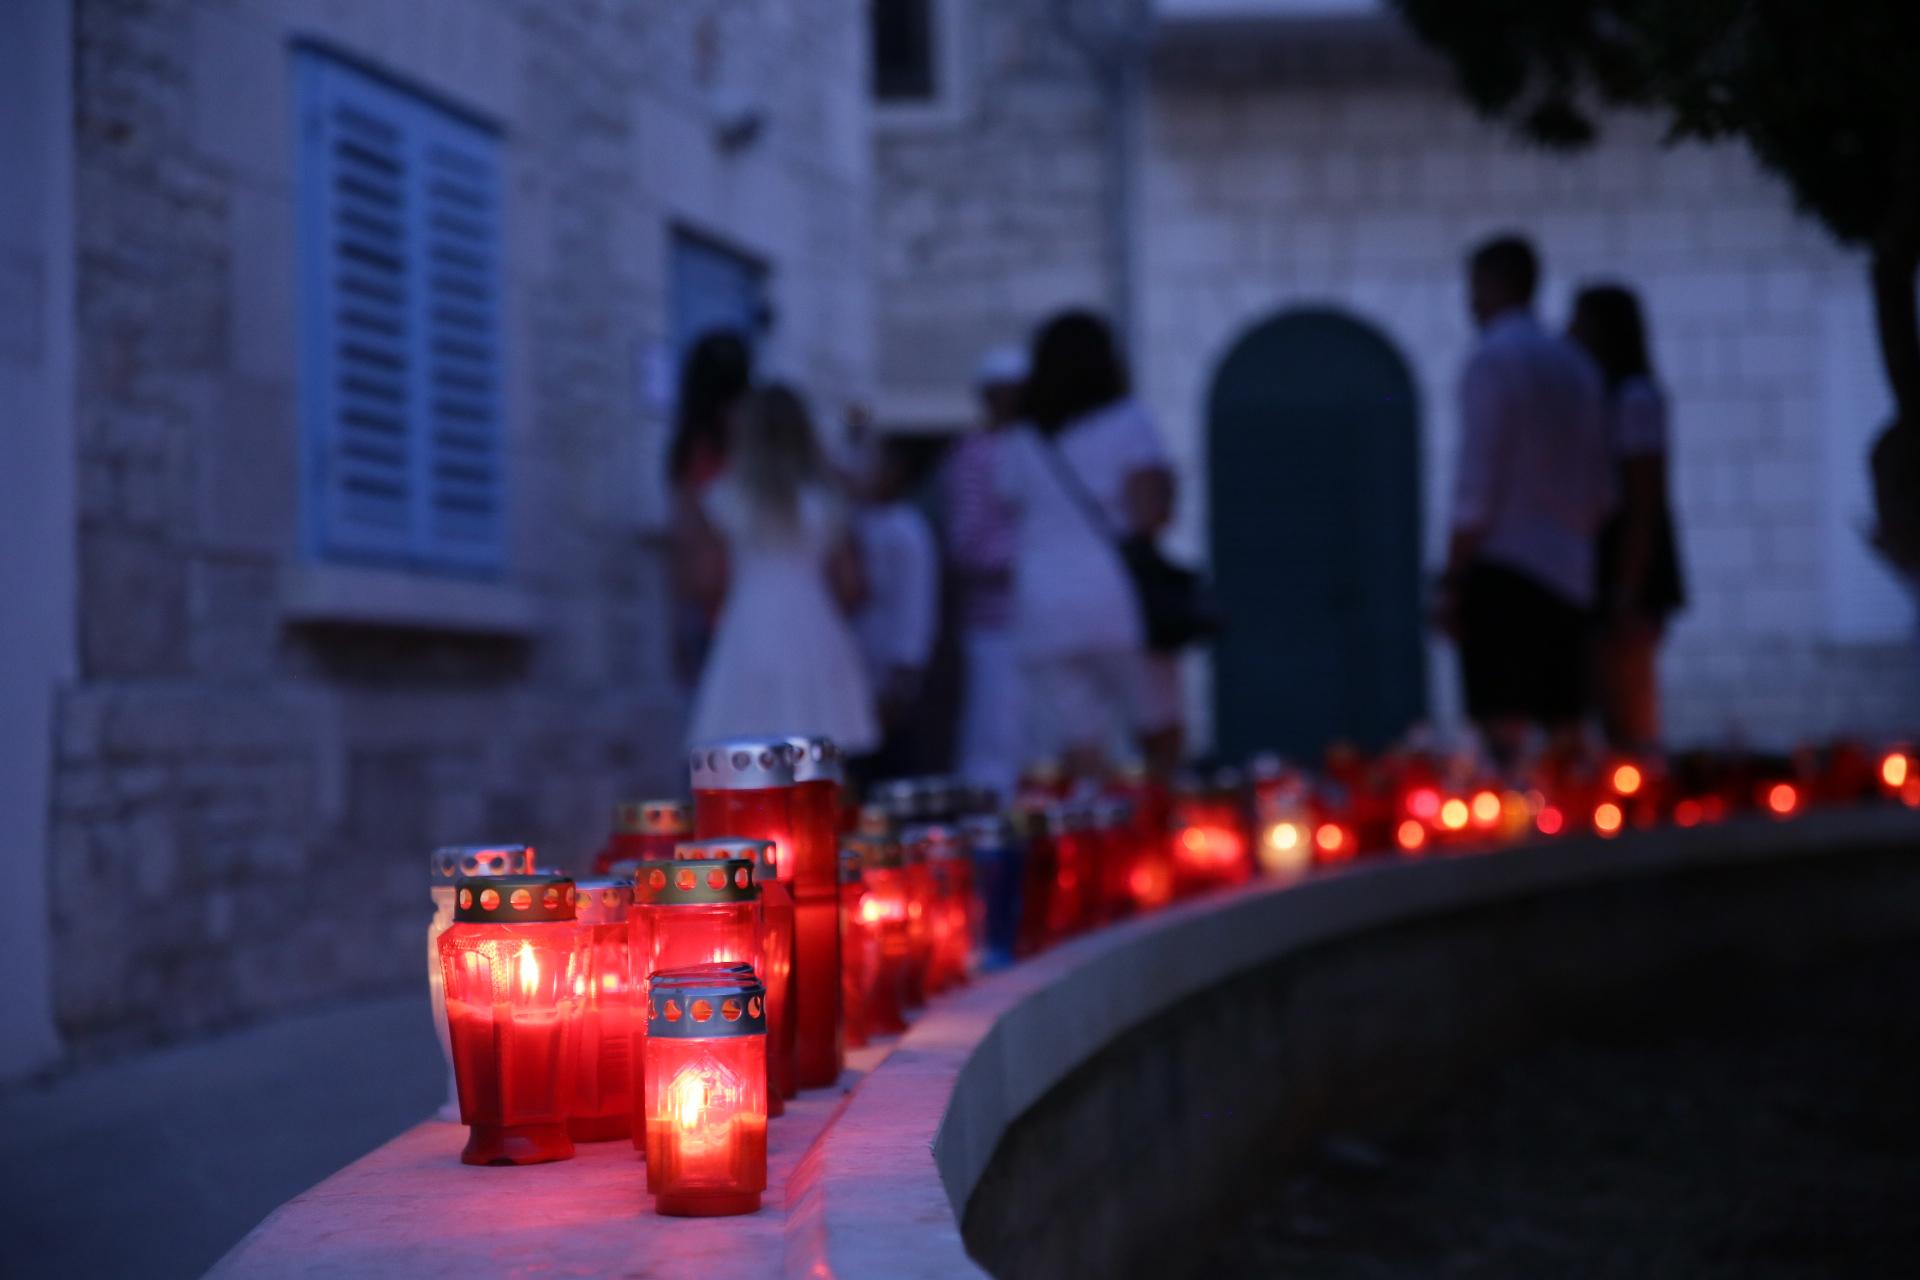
column 989, row 210
column 242, row 799
column 1289, row 174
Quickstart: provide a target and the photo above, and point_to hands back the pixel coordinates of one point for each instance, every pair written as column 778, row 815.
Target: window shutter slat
column 400, row 275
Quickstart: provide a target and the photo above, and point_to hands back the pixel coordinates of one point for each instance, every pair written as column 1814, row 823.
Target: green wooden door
column 1314, row 466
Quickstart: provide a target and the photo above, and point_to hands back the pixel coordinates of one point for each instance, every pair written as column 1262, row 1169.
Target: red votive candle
column 883, row 920
column 509, row 961
column 445, row 867
column 776, row 953
column 644, row 830
column 820, row 1042
column 602, row 1046
column 855, row 942
column 692, row 913
column 706, row 1100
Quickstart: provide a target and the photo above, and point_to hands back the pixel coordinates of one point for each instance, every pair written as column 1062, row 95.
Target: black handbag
column 1177, row 605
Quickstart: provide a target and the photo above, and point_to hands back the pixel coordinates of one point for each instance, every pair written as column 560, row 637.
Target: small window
column 400, row 319
column 903, row 51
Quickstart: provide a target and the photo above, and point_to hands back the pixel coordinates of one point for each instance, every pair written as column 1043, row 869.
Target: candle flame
column 529, row 965
column 687, row 1100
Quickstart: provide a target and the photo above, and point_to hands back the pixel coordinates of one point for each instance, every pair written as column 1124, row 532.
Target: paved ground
column 1770, row 1133
column 152, row 1168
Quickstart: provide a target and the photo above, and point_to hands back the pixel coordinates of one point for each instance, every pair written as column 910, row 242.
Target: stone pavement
column 152, row 1167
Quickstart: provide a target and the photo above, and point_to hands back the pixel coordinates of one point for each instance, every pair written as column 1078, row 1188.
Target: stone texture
column 242, row 801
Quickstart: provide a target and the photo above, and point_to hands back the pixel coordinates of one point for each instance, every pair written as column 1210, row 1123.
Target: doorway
column 1314, row 465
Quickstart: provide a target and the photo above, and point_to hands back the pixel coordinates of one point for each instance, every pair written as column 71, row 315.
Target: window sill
column 347, row 595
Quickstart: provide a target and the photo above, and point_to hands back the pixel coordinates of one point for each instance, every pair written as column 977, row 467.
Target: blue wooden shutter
column 401, row 384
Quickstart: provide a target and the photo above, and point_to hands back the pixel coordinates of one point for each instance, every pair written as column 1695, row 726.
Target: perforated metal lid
column 531, row 899
column 742, row 764
column 763, row 854
column 874, row 820
column 816, row 759
column 653, row 818
column 449, row 862
column 703, row 1004
column 881, row 852
column 931, row 840
column 602, row 900
column 898, row 798
column 691, row 882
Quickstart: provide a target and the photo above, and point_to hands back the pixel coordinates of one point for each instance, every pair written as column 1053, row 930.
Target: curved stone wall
column 1210, row 1041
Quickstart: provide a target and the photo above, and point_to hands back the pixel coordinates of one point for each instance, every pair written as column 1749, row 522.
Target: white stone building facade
column 236, row 743
column 1296, row 155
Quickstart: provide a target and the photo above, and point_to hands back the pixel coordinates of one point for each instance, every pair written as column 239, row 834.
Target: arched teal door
column 1314, row 467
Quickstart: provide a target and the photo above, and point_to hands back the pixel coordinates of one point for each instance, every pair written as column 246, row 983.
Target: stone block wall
column 1352, row 177
column 242, row 800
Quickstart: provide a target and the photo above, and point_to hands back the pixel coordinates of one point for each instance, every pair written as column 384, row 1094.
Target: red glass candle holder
column 820, row 1042
column 883, row 918
column 855, row 942
column 743, row 788
column 601, row 1050
column 445, row 866
column 1033, row 831
column 509, row 962
column 690, row 913
column 775, row 953
column 644, row 830
column 936, row 847
column 917, row 879
column 706, row 1100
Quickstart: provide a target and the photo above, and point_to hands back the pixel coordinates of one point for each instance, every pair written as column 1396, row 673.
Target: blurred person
column 1085, row 469
column 769, row 550
column 897, row 621
column 716, row 373
column 1532, row 486
column 979, row 546
column 1638, row 583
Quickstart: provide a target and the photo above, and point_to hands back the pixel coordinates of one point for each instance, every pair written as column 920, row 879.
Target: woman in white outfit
column 773, row 545
column 1083, row 471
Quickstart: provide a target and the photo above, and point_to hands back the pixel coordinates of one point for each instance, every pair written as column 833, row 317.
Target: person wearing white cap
column 980, row 542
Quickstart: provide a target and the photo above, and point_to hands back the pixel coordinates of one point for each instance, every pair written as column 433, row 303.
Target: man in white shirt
column 1532, row 486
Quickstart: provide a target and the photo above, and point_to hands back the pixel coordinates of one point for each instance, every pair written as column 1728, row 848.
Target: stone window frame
column 952, row 98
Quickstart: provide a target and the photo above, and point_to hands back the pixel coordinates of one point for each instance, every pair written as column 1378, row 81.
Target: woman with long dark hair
column 715, row 374
column 1639, row 582
column 773, row 555
column 1085, row 470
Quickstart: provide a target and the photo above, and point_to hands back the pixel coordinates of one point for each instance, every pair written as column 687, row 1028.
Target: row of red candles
column 553, row 989
column 839, row 960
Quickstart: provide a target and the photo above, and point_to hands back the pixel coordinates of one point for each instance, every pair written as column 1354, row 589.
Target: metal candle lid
column 704, row 1005
column 695, row 882
column 850, row 866
column 449, row 862
column 985, row 830
column 742, row 764
column 530, row 899
column 931, row 840
column 815, row 759
column 876, row 851
column 873, row 820
column 653, row 818
column 602, row 900
column 898, row 798
column 763, row 854
column 698, row 973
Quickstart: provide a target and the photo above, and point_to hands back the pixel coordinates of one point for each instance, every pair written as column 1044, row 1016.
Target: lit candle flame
column 529, row 965
column 687, row 1100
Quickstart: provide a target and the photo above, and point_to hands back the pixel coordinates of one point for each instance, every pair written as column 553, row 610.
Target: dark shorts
column 1523, row 648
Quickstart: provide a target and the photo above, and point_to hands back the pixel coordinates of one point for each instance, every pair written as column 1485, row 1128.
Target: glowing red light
column 1486, row 808
column 1423, row 803
column 1607, row 818
column 1893, row 770
column 1626, row 779
column 1687, row 813
column 1330, row 837
column 1410, row 835
column 1782, row 799
column 1549, row 820
column 1453, row 814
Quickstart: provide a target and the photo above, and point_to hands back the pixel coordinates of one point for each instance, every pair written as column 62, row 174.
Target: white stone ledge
column 347, row 595
column 891, row 1177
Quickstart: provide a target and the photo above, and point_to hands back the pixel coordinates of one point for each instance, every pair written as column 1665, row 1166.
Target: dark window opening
column 903, row 50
